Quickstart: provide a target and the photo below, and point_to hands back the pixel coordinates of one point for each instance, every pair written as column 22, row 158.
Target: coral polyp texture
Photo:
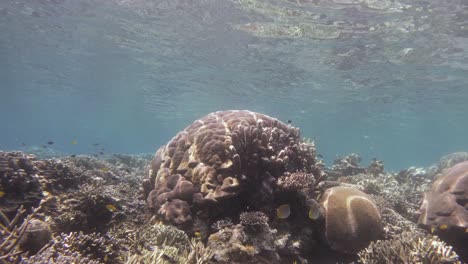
column 224, row 163
column 352, row 220
column 445, row 207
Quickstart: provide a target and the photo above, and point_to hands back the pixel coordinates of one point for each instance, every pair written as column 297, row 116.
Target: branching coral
column 17, row 239
column 83, row 210
column 403, row 197
column 10, row 235
column 160, row 235
column 50, row 256
column 409, row 248
column 103, row 248
column 296, row 181
column 195, row 253
column 253, row 220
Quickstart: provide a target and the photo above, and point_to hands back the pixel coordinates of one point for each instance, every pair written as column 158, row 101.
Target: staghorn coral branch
column 4, row 218
column 20, row 212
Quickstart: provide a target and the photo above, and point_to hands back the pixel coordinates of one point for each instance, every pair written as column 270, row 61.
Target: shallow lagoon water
column 385, row 79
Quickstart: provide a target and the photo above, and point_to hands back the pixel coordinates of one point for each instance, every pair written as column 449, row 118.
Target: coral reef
column 446, row 162
column 352, row 220
column 79, row 194
column 444, row 208
column 401, row 191
column 233, row 187
column 350, row 165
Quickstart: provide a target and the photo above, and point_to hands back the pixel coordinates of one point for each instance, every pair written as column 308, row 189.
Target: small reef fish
column 283, row 211
column 50, row 142
column 197, row 233
column 314, row 214
column 314, row 210
column 443, row 227
column 111, row 207
column 105, row 169
column 74, row 142
column 2, row 193
column 73, row 156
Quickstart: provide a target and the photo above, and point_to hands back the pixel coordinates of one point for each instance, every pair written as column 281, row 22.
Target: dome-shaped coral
column 352, row 220
column 224, row 163
column 445, row 207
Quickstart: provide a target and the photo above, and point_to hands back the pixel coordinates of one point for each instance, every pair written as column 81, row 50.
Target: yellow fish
column 433, row 230
column 283, row 211
column 197, row 233
column 74, row 142
column 111, row 208
column 2, row 193
column 443, row 227
column 104, row 169
column 314, row 214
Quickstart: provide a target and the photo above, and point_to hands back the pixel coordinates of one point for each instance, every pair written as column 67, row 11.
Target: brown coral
column 227, row 159
column 352, row 220
column 445, row 207
column 19, row 181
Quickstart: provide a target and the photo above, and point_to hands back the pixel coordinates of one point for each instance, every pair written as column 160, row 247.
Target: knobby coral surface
column 224, row 163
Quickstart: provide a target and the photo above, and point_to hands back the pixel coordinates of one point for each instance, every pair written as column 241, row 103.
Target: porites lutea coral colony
column 231, row 162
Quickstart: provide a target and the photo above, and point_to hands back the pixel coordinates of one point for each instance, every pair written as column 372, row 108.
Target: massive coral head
column 224, row 163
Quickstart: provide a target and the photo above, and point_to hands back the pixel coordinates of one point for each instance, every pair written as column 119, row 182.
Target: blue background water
column 385, row 79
